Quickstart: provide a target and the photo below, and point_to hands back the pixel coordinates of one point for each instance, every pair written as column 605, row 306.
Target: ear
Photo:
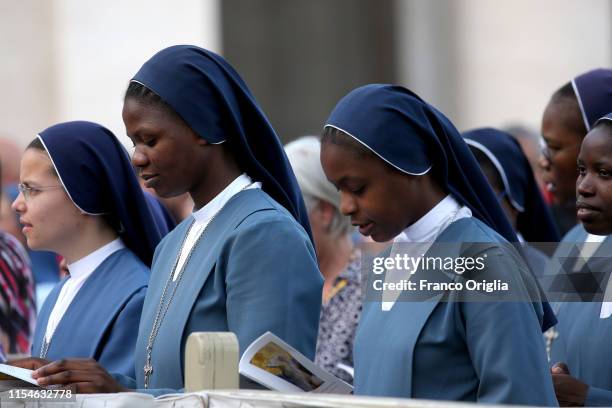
column 201, row 141
column 326, row 213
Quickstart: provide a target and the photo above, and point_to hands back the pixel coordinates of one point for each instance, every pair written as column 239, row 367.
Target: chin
column 599, row 228
column 32, row 244
column 382, row 236
column 167, row 193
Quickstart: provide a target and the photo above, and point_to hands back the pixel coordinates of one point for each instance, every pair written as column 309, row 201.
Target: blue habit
column 582, row 336
column 253, row 271
column 489, row 352
column 102, row 320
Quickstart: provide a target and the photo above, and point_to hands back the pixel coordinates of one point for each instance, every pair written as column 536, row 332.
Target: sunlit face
column 49, row 218
column 594, row 183
column 562, row 144
column 165, row 149
column 380, row 200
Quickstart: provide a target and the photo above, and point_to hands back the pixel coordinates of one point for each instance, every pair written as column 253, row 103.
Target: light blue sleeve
column 508, row 353
column 598, row 397
column 273, row 284
column 118, row 353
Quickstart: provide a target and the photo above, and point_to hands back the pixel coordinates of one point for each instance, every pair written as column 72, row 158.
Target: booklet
column 15, row 377
column 273, row 363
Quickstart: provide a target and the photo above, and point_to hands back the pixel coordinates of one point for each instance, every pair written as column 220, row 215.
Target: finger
column 560, row 368
column 30, row 363
column 63, row 365
column 67, row 377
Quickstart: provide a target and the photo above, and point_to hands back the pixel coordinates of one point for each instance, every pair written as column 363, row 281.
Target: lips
column 149, row 179
column 365, row 229
column 26, row 226
column 586, row 212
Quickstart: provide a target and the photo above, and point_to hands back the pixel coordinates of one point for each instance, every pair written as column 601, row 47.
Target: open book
column 273, row 363
column 15, row 377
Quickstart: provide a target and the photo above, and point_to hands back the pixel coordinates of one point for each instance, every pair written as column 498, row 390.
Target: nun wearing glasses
column 79, row 197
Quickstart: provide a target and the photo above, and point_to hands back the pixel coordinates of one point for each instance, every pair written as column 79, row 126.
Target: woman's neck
column 95, row 237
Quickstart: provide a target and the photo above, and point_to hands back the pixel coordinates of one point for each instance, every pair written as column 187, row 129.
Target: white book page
column 18, row 373
column 278, row 366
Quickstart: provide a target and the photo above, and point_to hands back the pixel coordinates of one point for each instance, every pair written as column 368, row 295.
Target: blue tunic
column 254, row 270
column 582, row 337
column 463, row 351
column 102, row 320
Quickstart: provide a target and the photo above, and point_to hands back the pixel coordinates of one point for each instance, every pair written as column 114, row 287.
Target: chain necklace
column 161, row 311
column 44, row 348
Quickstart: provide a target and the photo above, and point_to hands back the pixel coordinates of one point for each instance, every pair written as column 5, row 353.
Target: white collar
column 205, row 213
column 86, row 265
column 595, row 238
column 429, row 226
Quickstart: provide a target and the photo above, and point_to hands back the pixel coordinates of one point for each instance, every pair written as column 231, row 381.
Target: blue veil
column 96, row 173
column 209, row 95
column 593, row 91
column 534, row 221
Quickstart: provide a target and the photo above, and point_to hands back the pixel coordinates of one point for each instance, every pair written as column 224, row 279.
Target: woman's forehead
column 35, row 165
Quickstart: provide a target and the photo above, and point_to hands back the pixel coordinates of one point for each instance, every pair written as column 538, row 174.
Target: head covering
column 96, row 173
column 594, row 93
column 414, row 137
column 606, row 118
column 209, row 95
column 534, row 221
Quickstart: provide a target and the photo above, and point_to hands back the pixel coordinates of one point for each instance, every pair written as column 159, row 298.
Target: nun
column 509, row 173
column 79, row 197
column 572, row 112
column 582, row 363
column 404, row 171
column 243, row 261
column 569, row 115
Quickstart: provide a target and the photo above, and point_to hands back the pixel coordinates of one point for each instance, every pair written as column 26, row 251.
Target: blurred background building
column 482, row 62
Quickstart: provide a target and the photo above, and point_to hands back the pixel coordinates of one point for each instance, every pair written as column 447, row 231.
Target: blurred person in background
column 531, row 144
column 17, row 302
column 569, row 115
column 10, row 155
column 509, row 173
column 339, row 260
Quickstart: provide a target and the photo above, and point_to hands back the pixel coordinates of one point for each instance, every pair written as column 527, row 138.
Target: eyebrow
column 603, row 163
column 348, row 179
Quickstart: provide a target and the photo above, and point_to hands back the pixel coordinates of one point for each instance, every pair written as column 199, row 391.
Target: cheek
column 605, row 192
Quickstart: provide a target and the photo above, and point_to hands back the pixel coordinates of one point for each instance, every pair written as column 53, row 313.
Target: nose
column 544, row 162
column 585, row 186
column 139, row 158
column 19, row 204
column 348, row 205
